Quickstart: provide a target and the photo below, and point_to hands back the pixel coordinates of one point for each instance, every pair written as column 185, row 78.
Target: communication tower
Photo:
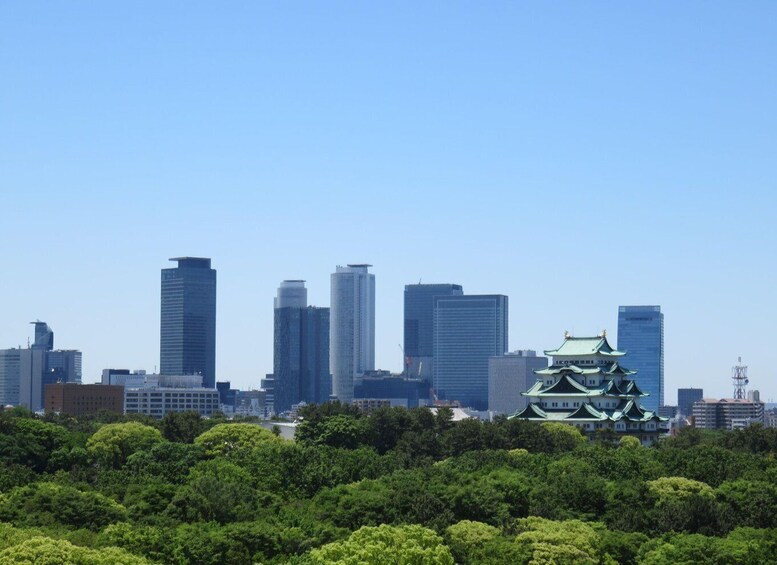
column 739, row 377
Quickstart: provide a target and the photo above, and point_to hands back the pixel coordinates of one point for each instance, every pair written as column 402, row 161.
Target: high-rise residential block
column 641, row 336
column 727, row 413
column 351, row 327
column 301, row 349
column 508, row 376
column 468, row 330
column 685, row 399
column 419, row 326
column 188, row 320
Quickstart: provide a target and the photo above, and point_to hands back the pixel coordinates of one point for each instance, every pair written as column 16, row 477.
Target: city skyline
column 491, row 147
column 93, row 375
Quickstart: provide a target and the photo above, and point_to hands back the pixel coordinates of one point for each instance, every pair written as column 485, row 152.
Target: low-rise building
column 158, row 401
column 369, row 405
column 83, row 399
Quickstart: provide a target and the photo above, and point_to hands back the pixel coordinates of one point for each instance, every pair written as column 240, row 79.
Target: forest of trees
column 396, row 487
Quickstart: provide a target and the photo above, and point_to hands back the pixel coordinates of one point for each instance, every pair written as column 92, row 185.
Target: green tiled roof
column 634, row 390
column 565, row 386
column 587, row 412
column 580, row 346
column 614, row 369
column 531, row 412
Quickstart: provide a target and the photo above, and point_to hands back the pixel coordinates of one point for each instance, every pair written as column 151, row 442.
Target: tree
column 216, row 490
column 182, row 427
column 112, row 444
column 549, row 542
column 387, row 545
column 468, row 540
column 226, row 439
column 563, row 436
column 29, row 441
column 44, row 504
column 629, row 442
column 46, row 551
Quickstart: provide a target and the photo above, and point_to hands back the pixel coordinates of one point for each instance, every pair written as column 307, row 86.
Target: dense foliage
column 399, row 486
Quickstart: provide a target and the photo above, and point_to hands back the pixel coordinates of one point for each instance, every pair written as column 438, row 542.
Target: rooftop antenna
column 739, row 377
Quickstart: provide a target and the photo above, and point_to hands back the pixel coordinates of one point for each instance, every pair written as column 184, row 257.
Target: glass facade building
column 351, row 327
column 188, row 320
column 468, row 330
column 685, row 399
column 301, row 349
column 641, row 336
column 419, row 326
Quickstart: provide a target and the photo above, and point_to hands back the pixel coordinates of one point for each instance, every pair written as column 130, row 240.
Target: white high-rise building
column 351, row 327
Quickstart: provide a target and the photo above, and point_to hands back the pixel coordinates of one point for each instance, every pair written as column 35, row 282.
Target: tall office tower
column 508, row 376
column 188, row 320
column 419, row 326
column 468, row 330
column 685, row 399
column 10, row 373
column 641, row 336
column 301, row 349
column 351, row 327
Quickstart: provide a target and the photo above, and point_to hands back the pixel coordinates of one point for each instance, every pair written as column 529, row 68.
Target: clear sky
column 573, row 155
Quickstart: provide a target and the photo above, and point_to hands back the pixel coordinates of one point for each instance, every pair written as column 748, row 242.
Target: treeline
column 398, row 486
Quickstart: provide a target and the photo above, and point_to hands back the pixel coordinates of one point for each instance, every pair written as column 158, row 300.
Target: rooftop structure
column 586, row 387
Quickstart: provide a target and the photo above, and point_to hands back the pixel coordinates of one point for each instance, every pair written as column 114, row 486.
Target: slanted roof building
column 586, row 387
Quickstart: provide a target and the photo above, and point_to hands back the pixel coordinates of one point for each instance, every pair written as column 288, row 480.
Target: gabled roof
column 616, row 369
column 580, row 346
column 531, row 412
column 565, row 386
column 634, row 390
column 587, row 412
column 556, row 369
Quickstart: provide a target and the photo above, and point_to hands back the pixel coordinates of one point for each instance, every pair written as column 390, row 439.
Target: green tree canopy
column 44, row 504
column 225, row 439
column 46, row 551
column 387, row 545
column 112, row 444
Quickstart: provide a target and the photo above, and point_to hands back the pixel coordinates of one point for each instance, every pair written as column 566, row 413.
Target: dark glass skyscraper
column 641, row 336
column 301, row 349
column 419, row 326
column 188, row 320
column 685, row 399
column 468, row 330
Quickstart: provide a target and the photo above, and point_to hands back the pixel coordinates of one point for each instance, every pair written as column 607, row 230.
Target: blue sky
column 573, row 155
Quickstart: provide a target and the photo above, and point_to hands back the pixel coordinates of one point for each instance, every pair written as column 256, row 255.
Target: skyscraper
column 641, row 336
column 351, row 327
column 24, row 373
column 188, row 320
column 301, row 349
column 685, row 399
column 419, row 326
column 468, row 330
